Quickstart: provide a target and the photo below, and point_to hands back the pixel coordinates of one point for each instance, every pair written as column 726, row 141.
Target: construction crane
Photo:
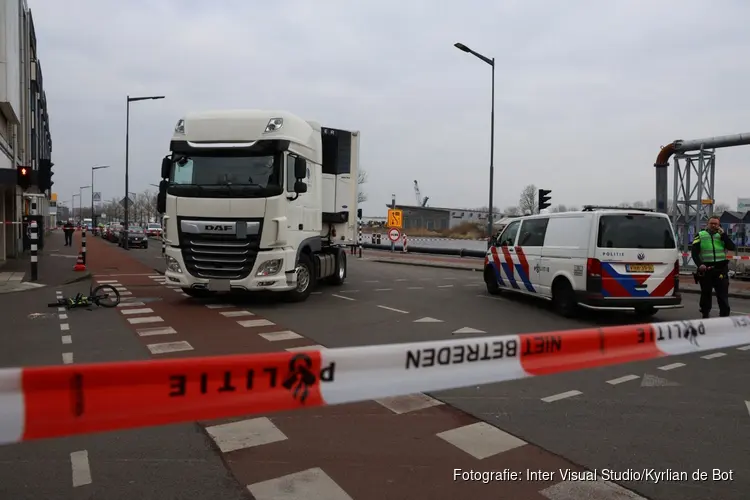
column 422, row 202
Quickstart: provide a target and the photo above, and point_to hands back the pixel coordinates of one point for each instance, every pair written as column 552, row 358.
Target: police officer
column 710, row 255
column 68, row 230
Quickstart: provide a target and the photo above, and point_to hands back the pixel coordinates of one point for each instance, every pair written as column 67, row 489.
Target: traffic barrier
column 456, row 252
column 56, row 401
column 83, row 245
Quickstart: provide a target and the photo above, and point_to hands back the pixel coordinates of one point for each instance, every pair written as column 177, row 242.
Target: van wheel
column 563, row 298
column 645, row 311
column 305, row 280
column 339, row 276
column 493, row 288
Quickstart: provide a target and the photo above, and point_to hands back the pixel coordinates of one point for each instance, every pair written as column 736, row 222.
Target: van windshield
column 635, row 231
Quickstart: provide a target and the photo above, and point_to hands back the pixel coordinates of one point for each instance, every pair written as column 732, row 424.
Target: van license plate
column 219, row 285
column 639, row 268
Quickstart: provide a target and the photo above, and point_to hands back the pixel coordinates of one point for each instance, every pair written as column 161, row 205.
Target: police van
column 603, row 258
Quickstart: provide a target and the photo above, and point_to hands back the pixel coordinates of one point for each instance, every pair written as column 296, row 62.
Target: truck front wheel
column 305, row 280
column 339, row 276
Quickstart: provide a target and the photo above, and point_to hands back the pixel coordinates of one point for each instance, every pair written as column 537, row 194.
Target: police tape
column 45, row 402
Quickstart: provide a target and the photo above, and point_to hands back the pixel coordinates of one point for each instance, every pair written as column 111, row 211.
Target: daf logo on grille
column 641, row 256
column 210, row 227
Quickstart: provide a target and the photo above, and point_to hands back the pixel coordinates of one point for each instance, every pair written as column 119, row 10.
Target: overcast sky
column 586, row 91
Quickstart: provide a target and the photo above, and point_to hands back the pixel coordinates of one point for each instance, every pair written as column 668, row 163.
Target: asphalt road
column 633, row 416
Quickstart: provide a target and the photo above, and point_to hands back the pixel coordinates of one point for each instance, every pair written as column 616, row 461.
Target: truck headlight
column 173, row 265
column 270, row 267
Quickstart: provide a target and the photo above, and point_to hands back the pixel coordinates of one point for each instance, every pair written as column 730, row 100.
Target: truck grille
column 217, row 256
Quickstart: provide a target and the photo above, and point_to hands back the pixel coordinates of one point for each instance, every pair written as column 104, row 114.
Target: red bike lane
column 398, row 448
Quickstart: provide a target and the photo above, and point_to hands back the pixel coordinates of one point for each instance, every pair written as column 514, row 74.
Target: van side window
column 532, row 232
column 508, row 237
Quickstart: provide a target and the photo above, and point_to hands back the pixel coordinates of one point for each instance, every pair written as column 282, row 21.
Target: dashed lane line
column 145, row 319
column 167, row 347
column 79, row 462
column 278, row 336
column 744, row 348
column 393, row 309
column 562, row 395
column 714, row 355
column 145, row 310
column 67, row 339
column 236, row 314
column 671, row 366
column 383, row 289
column 623, row 379
column 158, row 330
column 131, row 304
column 67, row 358
column 64, row 327
column 255, row 323
column 218, row 306
column 341, row 297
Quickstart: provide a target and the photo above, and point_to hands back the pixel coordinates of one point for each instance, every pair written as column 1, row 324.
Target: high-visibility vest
column 712, row 247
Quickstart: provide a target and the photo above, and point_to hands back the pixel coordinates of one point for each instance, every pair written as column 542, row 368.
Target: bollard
column 163, row 245
column 34, row 249
column 404, row 242
column 83, row 244
column 359, row 229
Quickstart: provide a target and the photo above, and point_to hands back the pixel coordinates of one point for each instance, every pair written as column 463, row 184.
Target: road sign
column 395, row 218
column 707, row 202
column 97, row 196
column 130, row 202
column 394, row 234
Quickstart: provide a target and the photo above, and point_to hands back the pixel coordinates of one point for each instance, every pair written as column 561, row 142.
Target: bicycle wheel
column 105, row 296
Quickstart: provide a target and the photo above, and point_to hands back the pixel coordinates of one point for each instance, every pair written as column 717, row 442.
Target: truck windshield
column 261, row 171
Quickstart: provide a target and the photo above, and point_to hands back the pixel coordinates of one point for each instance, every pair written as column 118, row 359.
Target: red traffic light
column 23, row 171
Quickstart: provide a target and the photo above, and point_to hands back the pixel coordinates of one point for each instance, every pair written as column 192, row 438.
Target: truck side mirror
column 300, row 187
column 166, row 166
column 300, row 169
column 161, row 198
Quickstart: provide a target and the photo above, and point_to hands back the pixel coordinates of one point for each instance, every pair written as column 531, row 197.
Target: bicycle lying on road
column 102, row 295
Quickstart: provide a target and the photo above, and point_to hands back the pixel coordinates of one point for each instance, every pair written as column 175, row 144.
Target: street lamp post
column 491, row 62
column 73, row 204
column 127, row 154
column 93, row 216
column 80, row 199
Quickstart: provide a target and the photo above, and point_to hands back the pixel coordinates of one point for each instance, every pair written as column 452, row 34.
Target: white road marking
column 245, row 434
column 427, row 319
column 744, row 348
column 79, row 462
column 67, row 339
column 383, row 289
column 218, row 306
column 304, row 485
column 145, row 310
column 236, row 314
column 122, row 294
column 747, row 404
column 315, row 347
column 671, row 366
column 67, row 358
column 623, row 379
column 158, row 330
column 62, row 316
column 106, row 282
column 714, row 355
column 130, row 304
column 157, row 276
column 481, row 440
column 393, row 309
column 116, row 284
column 415, row 288
column 341, row 297
column 145, row 319
column 445, row 286
column 410, row 403
column 254, row 323
column 120, row 288
column 467, row 329
column 562, row 395
column 167, row 347
column 64, row 327
column 60, row 309
column 277, row 336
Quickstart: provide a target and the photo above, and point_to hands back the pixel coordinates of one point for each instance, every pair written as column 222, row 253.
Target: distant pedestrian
column 68, row 230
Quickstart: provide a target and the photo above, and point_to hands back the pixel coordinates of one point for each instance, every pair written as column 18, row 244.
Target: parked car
column 136, row 237
column 153, row 229
column 113, row 234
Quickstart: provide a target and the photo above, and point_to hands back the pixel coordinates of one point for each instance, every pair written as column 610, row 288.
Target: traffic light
column 24, row 177
column 45, row 175
column 544, row 198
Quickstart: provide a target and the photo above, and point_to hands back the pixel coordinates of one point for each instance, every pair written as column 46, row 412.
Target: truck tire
column 339, row 276
column 305, row 280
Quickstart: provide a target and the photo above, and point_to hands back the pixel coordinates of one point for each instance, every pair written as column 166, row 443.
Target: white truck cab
column 258, row 200
column 603, row 258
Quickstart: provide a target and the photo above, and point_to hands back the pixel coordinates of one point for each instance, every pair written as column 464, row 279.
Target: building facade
column 25, row 138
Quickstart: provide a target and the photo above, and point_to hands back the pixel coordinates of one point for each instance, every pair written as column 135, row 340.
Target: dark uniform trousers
column 68, row 237
column 715, row 280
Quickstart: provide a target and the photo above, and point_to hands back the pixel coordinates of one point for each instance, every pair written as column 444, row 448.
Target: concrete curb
column 435, row 265
column 695, row 291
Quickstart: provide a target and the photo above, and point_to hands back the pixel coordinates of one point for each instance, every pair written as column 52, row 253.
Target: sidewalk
column 738, row 289
column 55, row 266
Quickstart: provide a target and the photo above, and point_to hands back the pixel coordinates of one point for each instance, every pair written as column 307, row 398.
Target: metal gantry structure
column 694, row 175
